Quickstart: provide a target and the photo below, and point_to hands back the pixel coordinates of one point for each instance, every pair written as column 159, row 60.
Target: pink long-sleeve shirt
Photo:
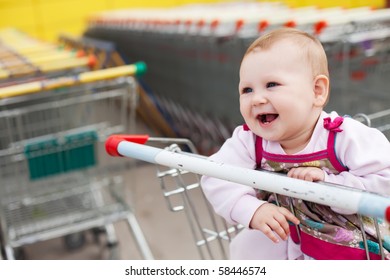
column 365, row 151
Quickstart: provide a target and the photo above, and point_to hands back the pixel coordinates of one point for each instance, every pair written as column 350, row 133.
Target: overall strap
column 259, row 150
column 258, row 146
column 334, row 128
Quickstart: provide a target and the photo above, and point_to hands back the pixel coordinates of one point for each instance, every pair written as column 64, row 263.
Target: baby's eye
column 272, row 84
column 247, row 90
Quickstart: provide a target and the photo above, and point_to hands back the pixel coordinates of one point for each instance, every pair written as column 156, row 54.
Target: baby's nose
column 259, row 98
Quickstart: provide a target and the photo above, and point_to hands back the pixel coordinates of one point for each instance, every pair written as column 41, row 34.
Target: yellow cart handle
column 127, row 70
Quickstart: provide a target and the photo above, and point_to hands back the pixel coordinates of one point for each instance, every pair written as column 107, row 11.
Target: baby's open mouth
column 267, row 118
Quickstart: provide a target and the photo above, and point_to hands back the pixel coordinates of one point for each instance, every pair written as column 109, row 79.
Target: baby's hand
column 311, row 174
column 271, row 219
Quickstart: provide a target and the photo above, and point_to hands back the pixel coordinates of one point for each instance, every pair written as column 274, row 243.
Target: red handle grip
column 113, row 141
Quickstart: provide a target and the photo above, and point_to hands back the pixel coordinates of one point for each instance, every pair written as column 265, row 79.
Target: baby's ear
column 321, row 90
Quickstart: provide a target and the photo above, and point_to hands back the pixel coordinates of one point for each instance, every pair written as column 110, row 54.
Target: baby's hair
column 309, row 44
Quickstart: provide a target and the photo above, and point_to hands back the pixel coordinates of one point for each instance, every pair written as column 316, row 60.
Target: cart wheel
column 96, row 232
column 20, row 254
column 74, row 241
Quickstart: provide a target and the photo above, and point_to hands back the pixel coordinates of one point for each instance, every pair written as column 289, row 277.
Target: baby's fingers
column 281, row 227
column 289, row 216
column 269, row 233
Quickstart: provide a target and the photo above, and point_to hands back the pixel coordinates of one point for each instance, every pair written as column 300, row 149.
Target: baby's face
column 277, row 93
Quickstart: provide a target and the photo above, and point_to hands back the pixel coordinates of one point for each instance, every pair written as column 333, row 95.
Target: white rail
column 362, row 202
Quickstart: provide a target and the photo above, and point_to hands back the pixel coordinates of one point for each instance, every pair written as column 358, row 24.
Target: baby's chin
column 266, row 136
column 271, row 138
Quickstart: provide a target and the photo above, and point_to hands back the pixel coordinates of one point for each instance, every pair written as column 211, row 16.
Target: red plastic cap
column 290, row 23
column 201, row 23
column 92, row 61
column 388, row 214
column 320, row 26
column 113, row 141
column 214, row 23
column 262, row 25
column 80, row 53
column 358, row 75
column 112, row 145
column 239, row 24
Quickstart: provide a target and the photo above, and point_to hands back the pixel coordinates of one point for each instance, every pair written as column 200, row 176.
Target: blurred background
column 45, row 19
column 72, row 73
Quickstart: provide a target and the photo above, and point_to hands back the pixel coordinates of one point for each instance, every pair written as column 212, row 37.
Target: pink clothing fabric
column 362, row 149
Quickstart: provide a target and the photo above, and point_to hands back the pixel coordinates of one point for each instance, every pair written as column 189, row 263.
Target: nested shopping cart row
column 55, row 178
column 194, row 55
column 24, row 58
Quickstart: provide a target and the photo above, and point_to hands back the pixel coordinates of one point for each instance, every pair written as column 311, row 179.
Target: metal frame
column 70, row 201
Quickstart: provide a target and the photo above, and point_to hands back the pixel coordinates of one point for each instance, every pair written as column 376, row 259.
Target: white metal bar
column 332, row 195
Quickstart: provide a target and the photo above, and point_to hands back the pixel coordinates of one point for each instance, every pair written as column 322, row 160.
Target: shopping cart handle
column 113, row 141
column 332, row 195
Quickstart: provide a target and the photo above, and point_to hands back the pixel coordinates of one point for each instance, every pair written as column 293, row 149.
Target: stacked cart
column 24, row 58
column 55, row 178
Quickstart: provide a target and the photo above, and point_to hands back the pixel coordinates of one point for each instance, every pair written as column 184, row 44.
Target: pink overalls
column 323, row 233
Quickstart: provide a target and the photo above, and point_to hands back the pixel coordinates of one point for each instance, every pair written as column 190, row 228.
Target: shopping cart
column 179, row 163
column 108, row 56
column 359, row 64
column 380, row 120
column 26, row 59
column 181, row 190
column 56, row 180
